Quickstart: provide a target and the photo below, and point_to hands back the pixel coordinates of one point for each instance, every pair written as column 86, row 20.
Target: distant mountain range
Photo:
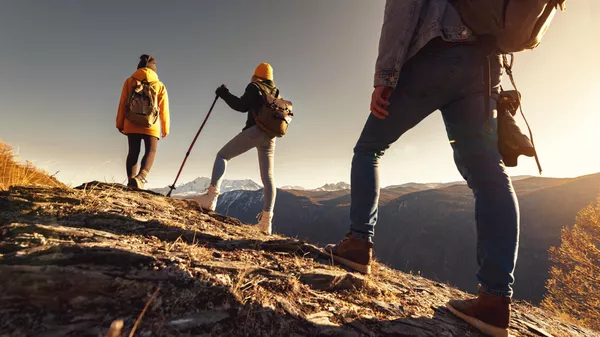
column 334, row 187
column 199, row 185
column 430, row 228
column 429, row 186
column 289, row 187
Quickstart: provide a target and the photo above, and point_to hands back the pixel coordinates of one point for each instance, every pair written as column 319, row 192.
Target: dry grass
column 14, row 173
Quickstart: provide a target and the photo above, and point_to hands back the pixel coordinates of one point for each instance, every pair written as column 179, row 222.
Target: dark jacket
column 250, row 101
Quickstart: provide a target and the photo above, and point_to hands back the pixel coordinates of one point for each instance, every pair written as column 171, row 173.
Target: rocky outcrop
column 101, row 260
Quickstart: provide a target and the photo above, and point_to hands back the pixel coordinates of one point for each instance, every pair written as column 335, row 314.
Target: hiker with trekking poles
column 267, row 119
column 449, row 55
column 143, row 115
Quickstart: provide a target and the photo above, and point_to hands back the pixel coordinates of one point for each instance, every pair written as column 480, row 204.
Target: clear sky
column 63, row 63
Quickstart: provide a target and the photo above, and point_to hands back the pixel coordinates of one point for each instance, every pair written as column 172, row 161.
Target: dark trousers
column 135, row 144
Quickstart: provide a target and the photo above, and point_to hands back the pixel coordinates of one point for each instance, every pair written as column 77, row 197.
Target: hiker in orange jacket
column 136, row 133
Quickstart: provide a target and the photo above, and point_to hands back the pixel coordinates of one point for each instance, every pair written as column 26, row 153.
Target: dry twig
column 139, row 319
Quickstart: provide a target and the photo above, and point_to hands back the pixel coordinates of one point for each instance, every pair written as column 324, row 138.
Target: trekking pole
column 187, row 154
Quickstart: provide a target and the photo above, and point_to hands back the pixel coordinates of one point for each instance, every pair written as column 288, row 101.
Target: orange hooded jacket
column 124, row 125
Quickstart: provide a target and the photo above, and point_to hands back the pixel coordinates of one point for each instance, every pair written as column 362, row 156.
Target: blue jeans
column 454, row 80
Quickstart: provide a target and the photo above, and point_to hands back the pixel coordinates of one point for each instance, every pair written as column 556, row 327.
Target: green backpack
column 517, row 25
column 142, row 106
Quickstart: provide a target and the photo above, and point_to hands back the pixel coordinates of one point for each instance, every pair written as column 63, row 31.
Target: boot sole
column 486, row 328
column 365, row 269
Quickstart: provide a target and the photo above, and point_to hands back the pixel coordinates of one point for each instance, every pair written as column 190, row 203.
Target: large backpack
column 517, row 25
column 275, row 114
column 142, row 106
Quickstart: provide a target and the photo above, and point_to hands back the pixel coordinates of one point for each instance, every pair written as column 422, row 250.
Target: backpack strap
column 508, row 67
column 144, row 81
column 261, row 91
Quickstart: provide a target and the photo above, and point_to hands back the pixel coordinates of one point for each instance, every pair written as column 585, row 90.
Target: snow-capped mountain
column 289, row 187
column 200, row 184
column 239, row 185
column 334, row 187
column 424, row 186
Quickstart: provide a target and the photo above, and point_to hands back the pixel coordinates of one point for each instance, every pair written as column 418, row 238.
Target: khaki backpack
column 517, row 25
column 142, row 106
column 274, row 115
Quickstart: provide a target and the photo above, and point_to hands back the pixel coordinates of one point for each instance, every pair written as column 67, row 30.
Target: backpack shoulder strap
column 261, row 90
column 508, row 68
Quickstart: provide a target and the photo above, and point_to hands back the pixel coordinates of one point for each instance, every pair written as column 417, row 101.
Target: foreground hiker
column 253, row 135
column 144, row 103
column 429, row 60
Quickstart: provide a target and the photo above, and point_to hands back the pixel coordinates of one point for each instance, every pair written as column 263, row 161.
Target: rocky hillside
column 101, row 260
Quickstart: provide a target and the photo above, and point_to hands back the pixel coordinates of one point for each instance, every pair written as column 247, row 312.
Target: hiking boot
column 353, row 252
column 265, row 220
column 138, row 182
column 208, row 200
column 490, row 314
column 131, row 183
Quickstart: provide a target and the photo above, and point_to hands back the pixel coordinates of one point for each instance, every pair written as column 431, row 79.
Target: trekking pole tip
column 171, row 188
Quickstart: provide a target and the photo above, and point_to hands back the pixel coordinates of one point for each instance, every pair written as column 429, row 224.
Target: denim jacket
column 408, row 25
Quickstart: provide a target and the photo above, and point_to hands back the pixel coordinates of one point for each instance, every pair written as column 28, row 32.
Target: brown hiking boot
column 131, row 183
column 490, row 314
column 353, row 252
column 138, row 182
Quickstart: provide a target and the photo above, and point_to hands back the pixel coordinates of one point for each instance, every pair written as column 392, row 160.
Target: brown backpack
column 517, row 25
column 142, row 106
column 274, row 115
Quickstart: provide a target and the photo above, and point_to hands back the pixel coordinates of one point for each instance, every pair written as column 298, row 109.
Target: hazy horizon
column 311, row 187
column 63, row 65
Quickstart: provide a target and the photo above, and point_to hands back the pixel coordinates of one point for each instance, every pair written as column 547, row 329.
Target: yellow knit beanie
column 264, row 71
